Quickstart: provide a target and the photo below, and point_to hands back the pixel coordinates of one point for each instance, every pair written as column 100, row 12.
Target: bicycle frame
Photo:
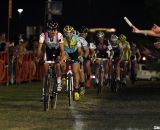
column 101, row 73
column 69, row 87
column 50, row 92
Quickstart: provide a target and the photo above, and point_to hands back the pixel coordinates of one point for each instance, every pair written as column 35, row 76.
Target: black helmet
column 83, row 29
column 51, row 25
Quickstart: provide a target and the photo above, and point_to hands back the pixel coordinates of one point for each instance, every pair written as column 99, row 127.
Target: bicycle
column 113, row 82
column 69, row 77
column 101, row 74
column 121, row 84
column 50, row 88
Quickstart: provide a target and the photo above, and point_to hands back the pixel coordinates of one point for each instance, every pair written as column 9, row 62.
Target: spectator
column 154, row 31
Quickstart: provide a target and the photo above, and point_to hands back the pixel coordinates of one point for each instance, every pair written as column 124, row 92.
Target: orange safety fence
column 27, row 68
column 3, row 67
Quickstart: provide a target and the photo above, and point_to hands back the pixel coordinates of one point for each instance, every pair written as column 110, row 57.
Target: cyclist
column 83, row 32
column 103, row 50
column 118, row 51
column 54, row 48
column 126, row 54
column 135, row 52
column 72, row 47
column 135, row 58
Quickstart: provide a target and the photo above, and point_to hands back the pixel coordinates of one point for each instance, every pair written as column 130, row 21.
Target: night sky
column 93, row 13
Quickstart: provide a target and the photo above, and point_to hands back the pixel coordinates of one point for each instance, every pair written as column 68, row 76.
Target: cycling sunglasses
column 69, row 34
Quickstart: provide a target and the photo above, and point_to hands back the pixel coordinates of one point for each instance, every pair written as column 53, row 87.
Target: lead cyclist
column 54, row 48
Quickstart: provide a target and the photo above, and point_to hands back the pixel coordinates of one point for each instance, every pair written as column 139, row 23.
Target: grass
column 21, row 109
column 135, row 107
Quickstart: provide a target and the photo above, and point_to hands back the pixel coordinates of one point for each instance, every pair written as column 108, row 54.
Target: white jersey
column 83, row 41
column 51, row 41
column 92, row 46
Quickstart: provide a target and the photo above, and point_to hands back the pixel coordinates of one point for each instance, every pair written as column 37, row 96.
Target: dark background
column 93, row 13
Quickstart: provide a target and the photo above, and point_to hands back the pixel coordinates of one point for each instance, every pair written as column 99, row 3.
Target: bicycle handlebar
column 50, row 62
column 103, row 59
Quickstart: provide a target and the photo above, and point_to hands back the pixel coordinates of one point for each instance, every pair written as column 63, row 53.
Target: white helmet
column 114, row 38
column 100, row 34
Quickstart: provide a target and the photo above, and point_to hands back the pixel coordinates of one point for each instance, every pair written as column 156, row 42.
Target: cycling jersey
column 71, row 47
column 83, row 42
column 104, row 50
column 116, row 46
column 52, row 42
column 126, row 47
column 92, row 46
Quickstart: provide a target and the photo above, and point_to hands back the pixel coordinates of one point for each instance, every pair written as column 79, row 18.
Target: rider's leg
column 45, row 74
column 81, row 73
column 76, row 75
column 118, row 70
column 88, row 69
column 110, row 68
column 106, row 72
column 125, row 70
column 58, row 72
column 97, row 63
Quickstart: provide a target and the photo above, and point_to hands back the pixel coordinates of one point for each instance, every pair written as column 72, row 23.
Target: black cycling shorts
column 51, row 52
column 73, row 56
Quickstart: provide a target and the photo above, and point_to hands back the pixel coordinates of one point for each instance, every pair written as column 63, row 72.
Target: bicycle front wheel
column 46, row 93
column 70, row 89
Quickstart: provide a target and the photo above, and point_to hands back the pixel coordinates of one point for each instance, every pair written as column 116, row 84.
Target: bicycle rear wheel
column 53, row 93
column 46, row 93
column 100, row 81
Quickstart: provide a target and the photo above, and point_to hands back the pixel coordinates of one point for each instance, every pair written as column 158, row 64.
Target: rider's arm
column 129, row 51
column 146, row 32
column 61, row 44
column 86, row 49
column 121, row 51
column 41, row 41
column 79, row 49
column 92, row 47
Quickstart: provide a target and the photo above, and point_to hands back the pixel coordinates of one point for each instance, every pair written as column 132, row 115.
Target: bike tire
column 70, row 89
column 46, row 93
column 53, row 92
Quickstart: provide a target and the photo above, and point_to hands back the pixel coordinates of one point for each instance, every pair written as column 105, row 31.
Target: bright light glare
column 143, row 58
column 20, row 10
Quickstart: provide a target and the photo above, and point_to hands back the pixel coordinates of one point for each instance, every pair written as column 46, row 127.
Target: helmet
column 122, row 38
column 52, row 25
column 68, row 29
column 100, row 34
column 83, row 29
column 114, row 38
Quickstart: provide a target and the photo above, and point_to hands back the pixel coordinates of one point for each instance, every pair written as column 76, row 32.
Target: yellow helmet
column 68, row 29
column 122, row 38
